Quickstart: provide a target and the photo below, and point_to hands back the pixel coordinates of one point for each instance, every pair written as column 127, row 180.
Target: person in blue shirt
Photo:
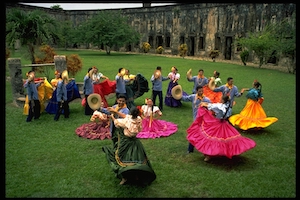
column 33, row 98
column 121, row 83
column 196, row 99
column 200, row 79
column 157, row 80
column 62, row 98
column 88, row 89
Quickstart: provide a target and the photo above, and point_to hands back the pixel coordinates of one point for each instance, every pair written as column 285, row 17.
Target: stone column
column 16, row 78
column 60, row 63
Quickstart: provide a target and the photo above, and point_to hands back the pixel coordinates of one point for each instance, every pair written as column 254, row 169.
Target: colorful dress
column 104, row 88
column 169, row 100
column 217, row 137
column 215, row 97
column 155, row 128
column 98, row 128
column 253, row 114
column 127, row 157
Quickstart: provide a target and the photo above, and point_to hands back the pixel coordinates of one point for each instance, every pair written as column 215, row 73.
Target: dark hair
column 229, row 78
column 122, row 96
column 134, row 111
column 218, row 74
column 259, row 86
column 198, row 87
column 158, row 67
column 225, row 98
column 120, row 69
column 201, row 70
column 90, row 69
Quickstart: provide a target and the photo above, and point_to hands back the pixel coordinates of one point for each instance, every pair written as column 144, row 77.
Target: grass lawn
column 46, row 158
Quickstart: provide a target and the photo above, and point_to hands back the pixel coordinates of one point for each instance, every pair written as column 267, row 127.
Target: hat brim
column 211, row 83
column 94, row 101
column 65, row 75
column 177, row 92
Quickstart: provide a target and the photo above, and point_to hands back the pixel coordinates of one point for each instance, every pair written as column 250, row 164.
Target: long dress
column 169, row 100
column 127, row 157
column 216, row 137
column 155, row 128
column 72, row 93
column 214, row 97
column 98, row 128
column 104, row 88
column 253, row 114
column 45, row 93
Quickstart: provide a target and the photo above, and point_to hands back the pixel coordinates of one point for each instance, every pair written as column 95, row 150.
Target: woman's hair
column 217, row 74
column 258, row 86
column 134, row 111
column 225, row 98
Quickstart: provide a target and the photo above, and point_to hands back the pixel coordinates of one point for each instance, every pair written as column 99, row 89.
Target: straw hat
column 65, row 75
column 94, row 101
column 123, row 71
column 211, row 83
column 177, row 92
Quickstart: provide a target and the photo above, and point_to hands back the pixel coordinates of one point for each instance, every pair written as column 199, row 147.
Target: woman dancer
column 214, row 81
column 153, row 127
column 174, row 77
column 212, row 135
column 127, row 157
column 253, row 115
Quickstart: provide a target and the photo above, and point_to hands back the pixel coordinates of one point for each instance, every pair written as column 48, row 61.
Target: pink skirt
column 94, row 130
column 158, row 128
column 214, row 137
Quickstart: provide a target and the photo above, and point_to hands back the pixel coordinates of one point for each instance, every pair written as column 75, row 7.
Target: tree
column 109, row 29
column 56, row 7
column 31, row 28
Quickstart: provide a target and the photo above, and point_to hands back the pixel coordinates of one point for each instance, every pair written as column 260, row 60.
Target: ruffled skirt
column 94, row 130
column 158, row 128
column 215, row 97
column 252, row 116
column 214, row 137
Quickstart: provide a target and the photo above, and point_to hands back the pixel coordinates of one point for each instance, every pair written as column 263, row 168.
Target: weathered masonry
column 202, row 26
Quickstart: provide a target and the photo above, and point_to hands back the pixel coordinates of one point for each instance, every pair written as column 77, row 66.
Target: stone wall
column 202, row 26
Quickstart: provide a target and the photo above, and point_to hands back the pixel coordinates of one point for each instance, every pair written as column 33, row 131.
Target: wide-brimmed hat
column 94, row 100
column 123, row 71
column 157, row 73
column 177, row 92
column 65, row 75
column 211, row 83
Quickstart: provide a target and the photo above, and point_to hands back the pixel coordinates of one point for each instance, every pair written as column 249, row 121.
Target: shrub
column 183, row 48
column 159, row 50
column 213, row 54
column 74, row 64
column 146, row 47
column 244, row 56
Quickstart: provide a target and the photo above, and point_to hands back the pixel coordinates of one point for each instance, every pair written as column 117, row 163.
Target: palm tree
column 31, row 28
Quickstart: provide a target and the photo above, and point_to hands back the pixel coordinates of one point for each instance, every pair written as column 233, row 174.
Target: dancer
column 34, row 110
column 127, row 157
column 62, row 97
column 200, row 79
column 253, row 115
column 196, row 99
column 157, row 80
column 88, row 89
column 174, row 77
column 213, row 135
column 214, row 81
column 153, row 127
column 99, row 127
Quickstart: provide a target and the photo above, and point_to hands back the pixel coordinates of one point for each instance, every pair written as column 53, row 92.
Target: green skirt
column 128, row 159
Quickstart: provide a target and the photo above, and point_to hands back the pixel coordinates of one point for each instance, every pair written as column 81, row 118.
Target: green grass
column 46, row 158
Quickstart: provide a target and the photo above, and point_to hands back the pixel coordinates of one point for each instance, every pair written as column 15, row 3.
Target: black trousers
column 62, row 106
column 34, row 110
column 160, row 98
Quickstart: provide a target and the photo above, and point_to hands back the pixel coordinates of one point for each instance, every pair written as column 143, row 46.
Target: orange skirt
column 252, row 116
column 215, row 97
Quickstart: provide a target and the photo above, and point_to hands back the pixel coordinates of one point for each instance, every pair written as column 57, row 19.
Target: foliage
column 74, row 64
column 146, row 47
column 7, row 53
column 244, row 56
column 56, row 7
column 31, row 28
column 183, row 48
column 108, row 29
column 159, row 50
column 44, row 55
column 214, row 54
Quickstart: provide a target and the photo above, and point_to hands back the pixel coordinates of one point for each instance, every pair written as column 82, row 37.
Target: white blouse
column 131, row 126
column 147, row 110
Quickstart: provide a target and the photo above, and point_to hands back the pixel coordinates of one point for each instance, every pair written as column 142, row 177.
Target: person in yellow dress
column 253, row 115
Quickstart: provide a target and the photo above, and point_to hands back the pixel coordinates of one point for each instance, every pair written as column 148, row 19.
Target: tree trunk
column 31, row 54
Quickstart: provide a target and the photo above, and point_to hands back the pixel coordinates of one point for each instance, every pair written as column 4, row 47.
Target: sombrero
column 65, row 75
column 177, row 92
column 123, row 71
column 211, row 83
column 189, row 73
column 94, row 100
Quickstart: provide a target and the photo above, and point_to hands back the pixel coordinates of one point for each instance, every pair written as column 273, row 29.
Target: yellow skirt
column 252, row 116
